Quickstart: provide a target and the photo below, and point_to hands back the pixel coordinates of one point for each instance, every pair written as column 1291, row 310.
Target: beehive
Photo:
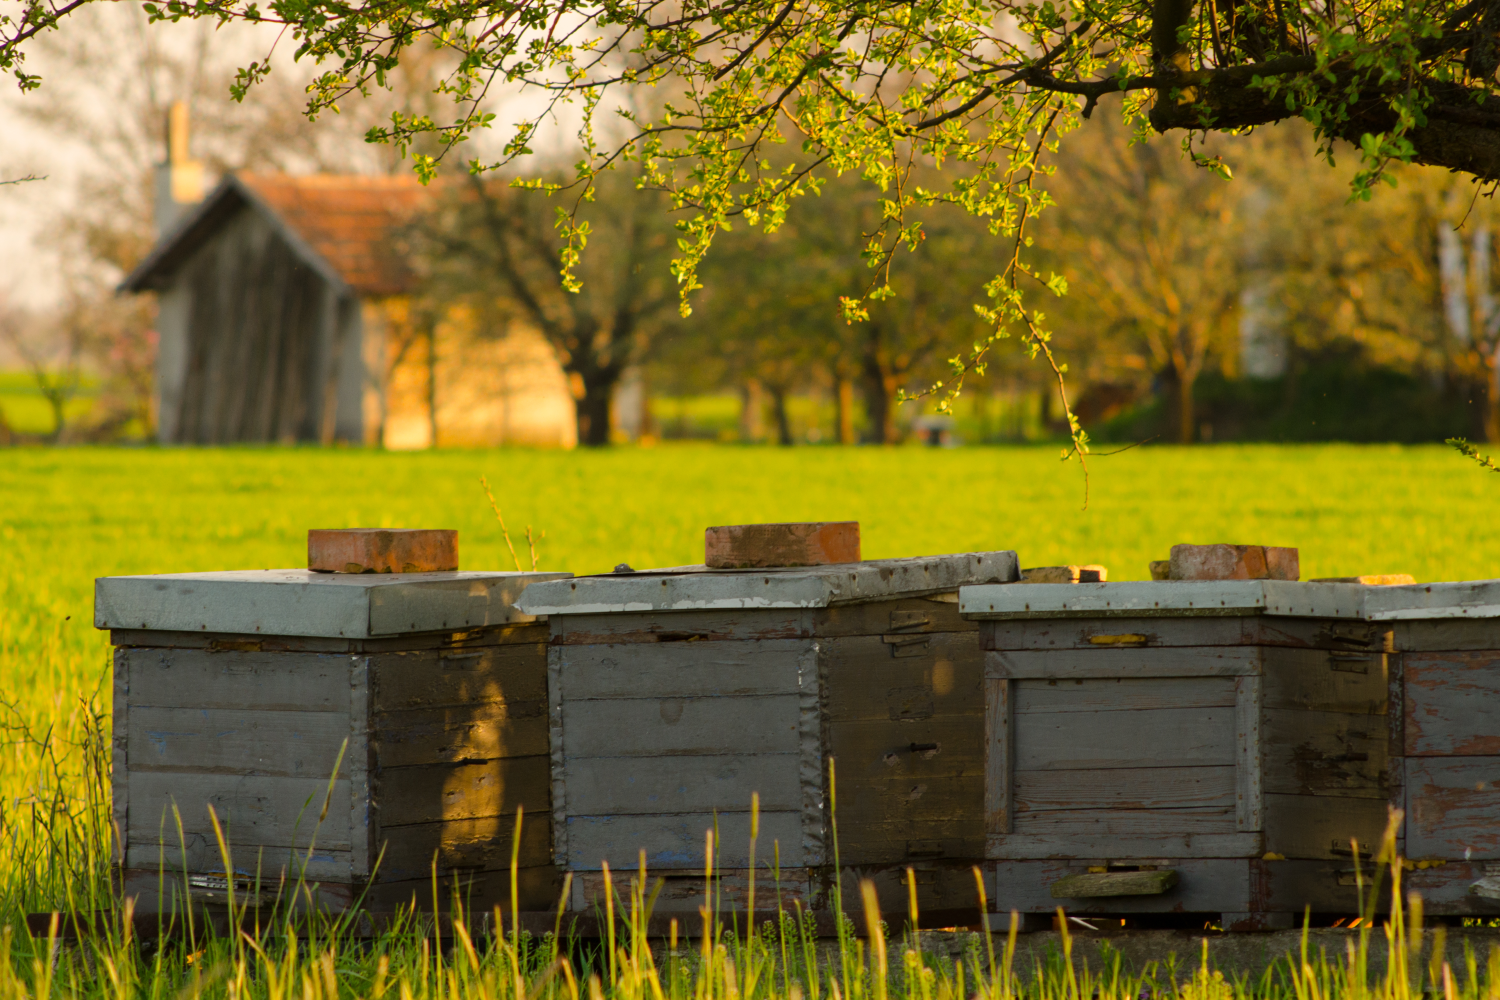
column 1203, row 747
column 238, row 692
column 676, row 694
column 1446, row 737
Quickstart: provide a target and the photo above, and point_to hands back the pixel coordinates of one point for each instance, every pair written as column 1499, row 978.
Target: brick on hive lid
column 1092, row 573
column 1234, row 562
column 1371, row 579
column 797, row 543
column 382, row 550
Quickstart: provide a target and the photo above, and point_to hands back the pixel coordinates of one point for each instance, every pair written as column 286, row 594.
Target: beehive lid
column 1165, row 598
column 1466, row 599
column 694, row 588
column 301, row 602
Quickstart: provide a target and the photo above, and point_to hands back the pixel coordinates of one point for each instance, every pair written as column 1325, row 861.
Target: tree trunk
column 751, row 404
column 879, row 393
column 1492, row 400
column 593, row 415
column 846, row 412
column 778, row 411
column 1185, row 408
column 430, row 335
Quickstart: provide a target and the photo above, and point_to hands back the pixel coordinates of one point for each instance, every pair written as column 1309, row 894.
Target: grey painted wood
column 459, row 678
column 1467, row 599
column 682, row 626
column 1453, row 807
column 639, row 727
column 905, row 616
column 1119, row 694
column 235, row 679
column 1191, row 661
column 1325, row 753
column 1231, row 630
column 999, row 729
column 119, row 757
column 484, row 844
column 169, row 860
column 685, row 669
column 1326, row 681
column 556, row 759
column 863, row 680
column 1174, row 598
column 454, row 641
column 1077, row 844
column 360, row 764
column 1248, row 781
column 695, row 588
column 1308, row 826
column 610, row 786
column 1093, row 885
column 484, row 731
column 1202, row 886
column 300, row 602
column 1436, row 635
column 1087, row 824
column 1452, row 703
column 1166, row 788
column 677, row 841
column 463, row 791
column 1162, row 737
column 230, row 742
column 269, row 811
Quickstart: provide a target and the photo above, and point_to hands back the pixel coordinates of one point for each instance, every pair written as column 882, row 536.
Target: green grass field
column 67, row 516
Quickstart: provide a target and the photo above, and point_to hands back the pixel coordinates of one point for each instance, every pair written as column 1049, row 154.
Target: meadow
column 70, row 515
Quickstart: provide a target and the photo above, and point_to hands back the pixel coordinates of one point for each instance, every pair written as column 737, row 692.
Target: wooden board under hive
column 241, row 692
column 676, row 695
column 1231, row 733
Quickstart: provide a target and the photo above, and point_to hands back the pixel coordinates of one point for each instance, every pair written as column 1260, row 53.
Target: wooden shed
column 1187, row 747
column 283, row 317
column 410, row 706
column 1445, row 740
column 675, row 694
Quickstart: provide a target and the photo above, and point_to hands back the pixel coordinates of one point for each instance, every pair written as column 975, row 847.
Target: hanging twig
column 1464, row 447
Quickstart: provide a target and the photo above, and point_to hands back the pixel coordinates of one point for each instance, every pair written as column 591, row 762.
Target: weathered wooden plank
column 1182, row 661
column 1158, row 737
column 862, row 679
column 639, row 727
column 1452, row 704
column 230, row 741
column 902, row 615
column 1453, row 807
column 252, row 810
column 360, row 765
column 1320, row 826
column 231, row 679
column 941, row 745
column 1324, row 753
column 437, row 679
column 900, row 798
column 1125, row 788
column 480, row 892
column 169, row 860
column 483, row 731
column 682, row 626
column 683, row 893
column 1450, row 634
column 911, row 841
column 483, row 844
column 1202, row 886
column 610, row 786
column 492, row 635
column 1122, row 694
column 463, row 791
column 1113, row 846
column 1242, row 630
column 677, row 841
column 1353, row 681
column 999, row 726
column 1248, row 780
column 119, row 757
column 1094, row 885
column 1096, row 823
column 729, row 668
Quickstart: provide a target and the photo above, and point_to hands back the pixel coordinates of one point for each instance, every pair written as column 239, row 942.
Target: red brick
column 1234, row 562
column 812, row 543
column 382, row 550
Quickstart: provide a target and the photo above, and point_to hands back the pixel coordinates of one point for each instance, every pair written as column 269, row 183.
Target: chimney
column 179, row 181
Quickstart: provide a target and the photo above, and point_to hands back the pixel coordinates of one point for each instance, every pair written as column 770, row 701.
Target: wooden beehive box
column 676, row 694
column 1445, row 740
column 239, row 691
column 1206, row 747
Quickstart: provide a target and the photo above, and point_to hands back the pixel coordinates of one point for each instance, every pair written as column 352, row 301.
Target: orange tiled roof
column 350, row 221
